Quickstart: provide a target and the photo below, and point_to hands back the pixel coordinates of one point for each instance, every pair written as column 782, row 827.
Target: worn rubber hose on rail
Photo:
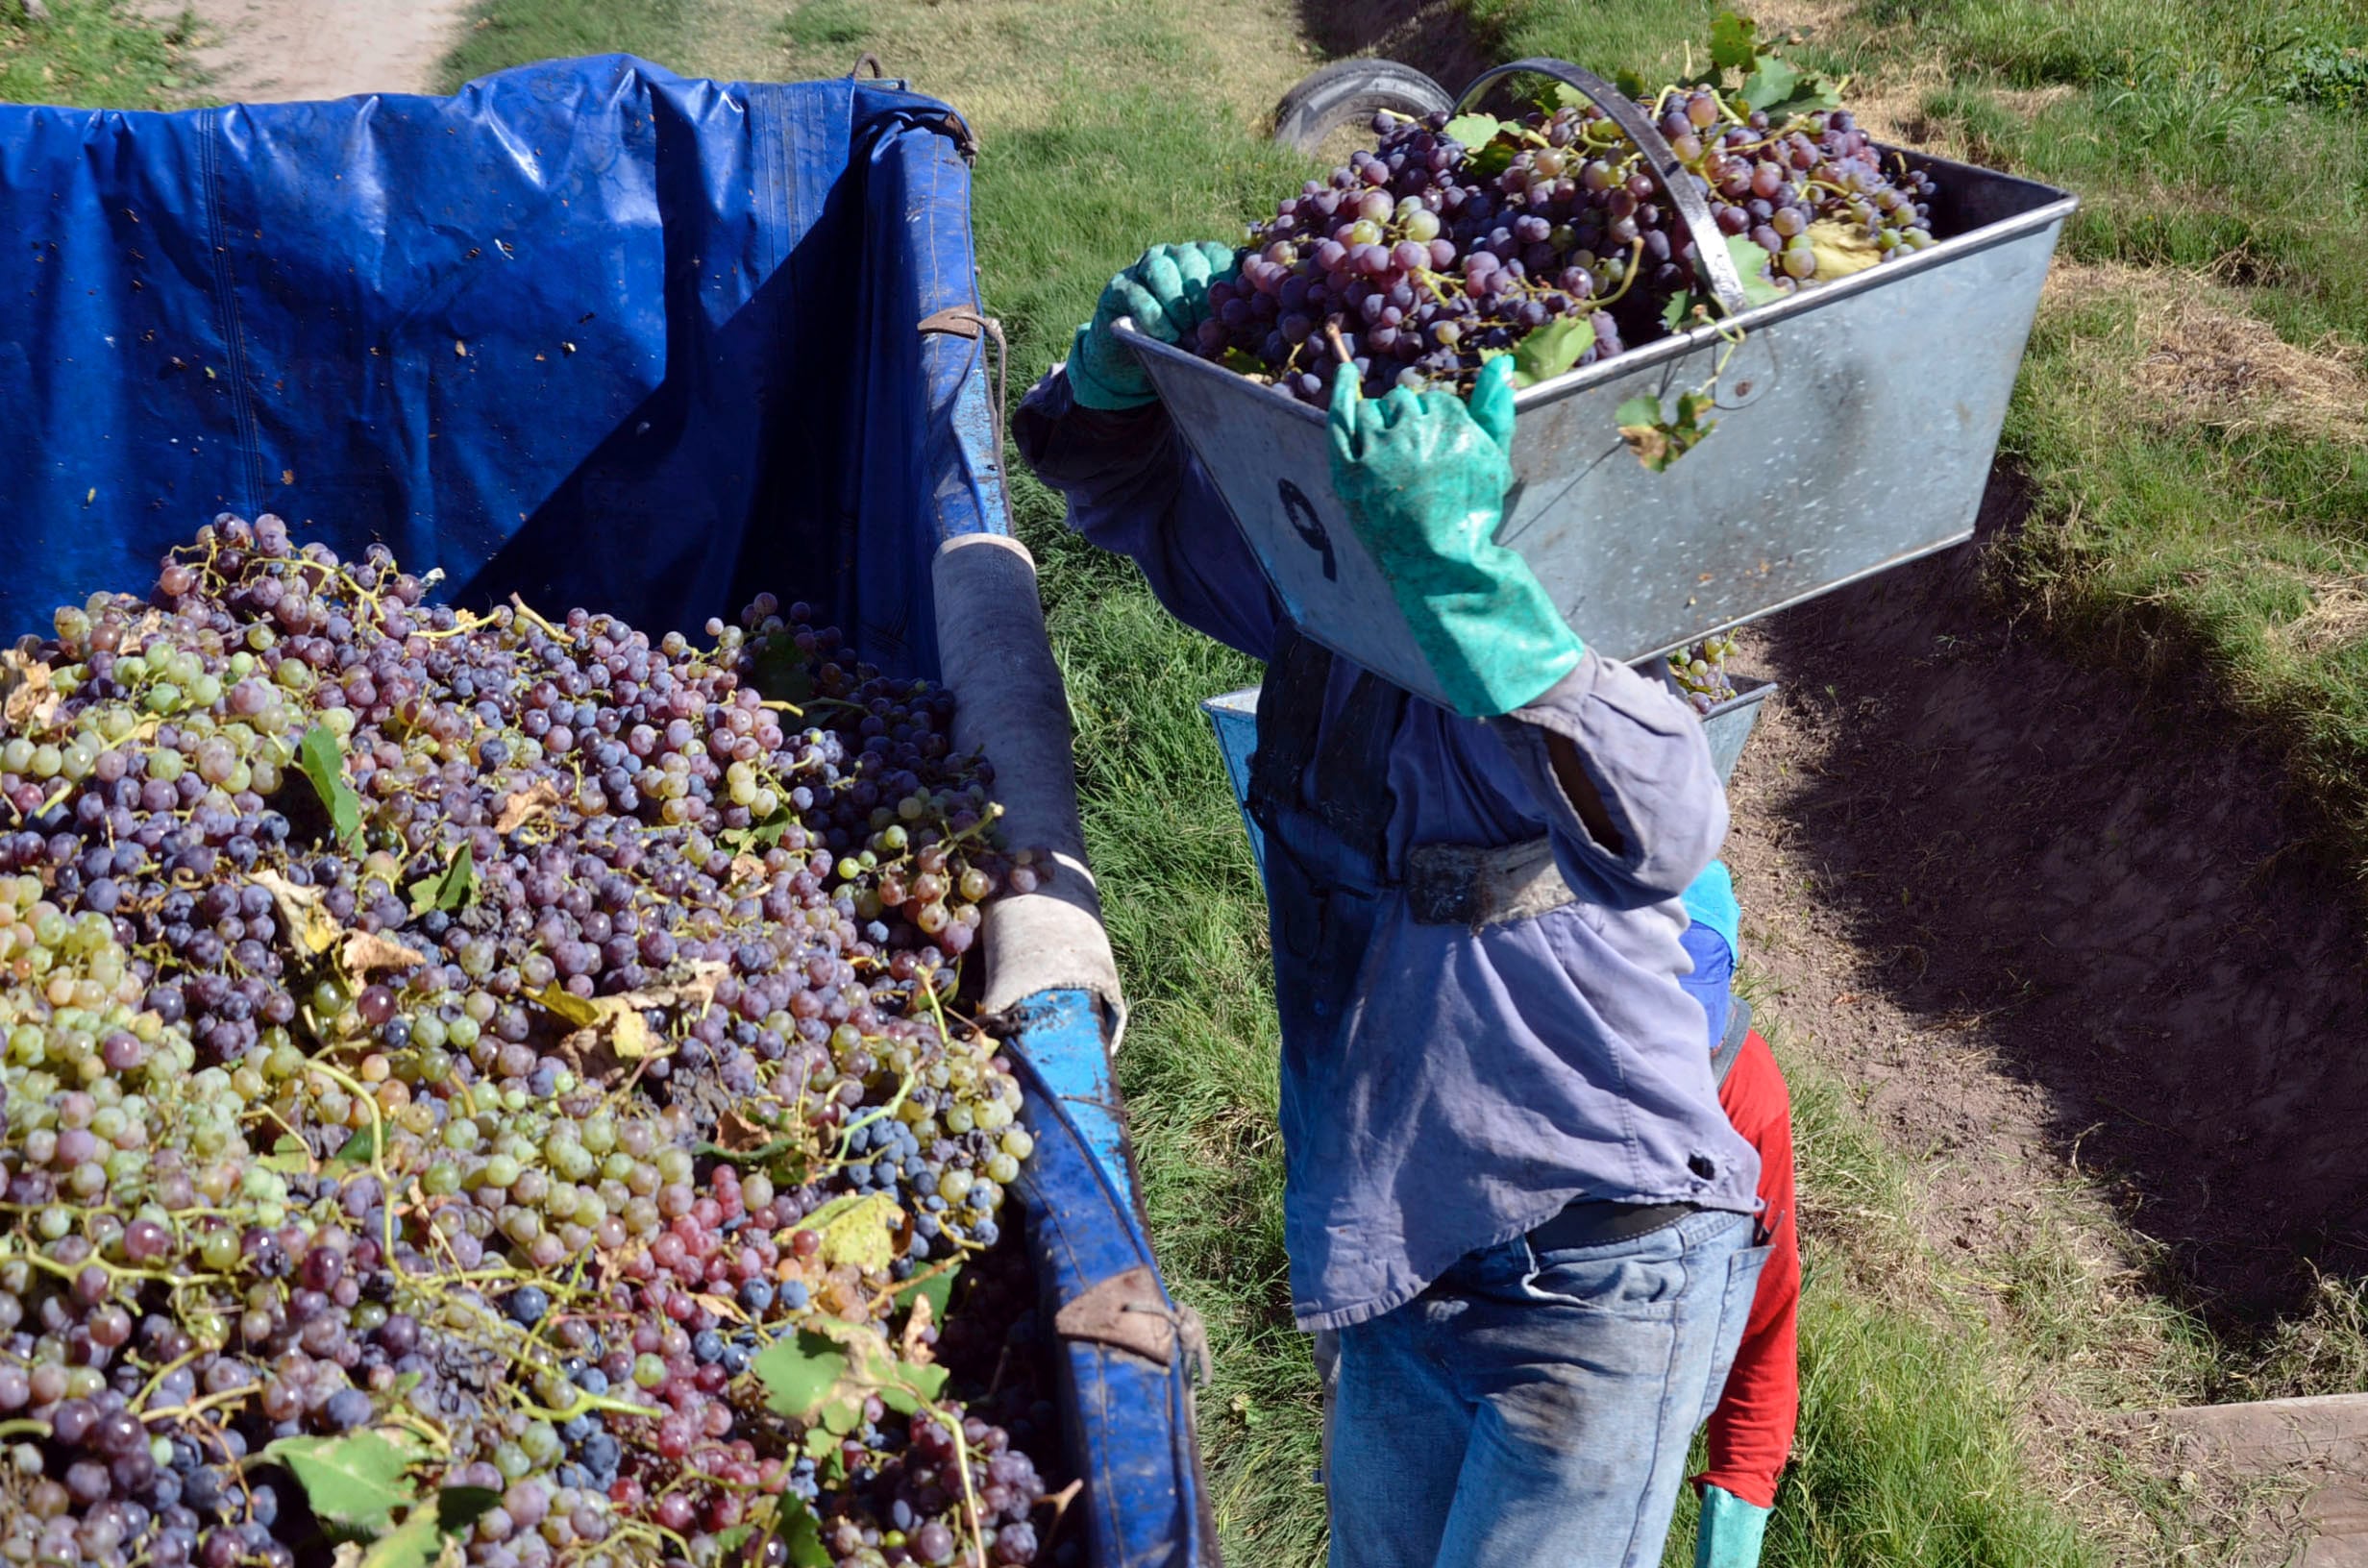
column 1009, row 702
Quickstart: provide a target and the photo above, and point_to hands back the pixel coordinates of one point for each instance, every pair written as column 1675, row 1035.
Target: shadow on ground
column 2109, row 901
column 1432, row 35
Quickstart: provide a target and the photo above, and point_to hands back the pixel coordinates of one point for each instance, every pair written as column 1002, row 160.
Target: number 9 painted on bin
column 1308, row 526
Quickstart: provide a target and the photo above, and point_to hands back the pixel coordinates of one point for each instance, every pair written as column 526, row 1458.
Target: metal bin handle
column 1709, row 245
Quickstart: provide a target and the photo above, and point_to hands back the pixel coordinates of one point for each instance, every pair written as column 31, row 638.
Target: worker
column 1751, row 1430
column 1510, row 1190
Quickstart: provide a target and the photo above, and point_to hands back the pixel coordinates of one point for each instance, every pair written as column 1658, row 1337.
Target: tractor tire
column 1348, row 91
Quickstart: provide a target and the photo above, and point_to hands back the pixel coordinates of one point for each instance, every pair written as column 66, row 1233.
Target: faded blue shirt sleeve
column 1645, row 752
column 1134, row 489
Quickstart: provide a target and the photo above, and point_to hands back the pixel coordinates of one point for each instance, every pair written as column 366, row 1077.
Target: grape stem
column 976, row 1549
column 1628, row 274
column 560, row 635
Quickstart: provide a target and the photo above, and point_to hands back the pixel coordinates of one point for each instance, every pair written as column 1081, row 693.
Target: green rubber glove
column 1730, row 1532
column 1167, row 293
column 1424, row 481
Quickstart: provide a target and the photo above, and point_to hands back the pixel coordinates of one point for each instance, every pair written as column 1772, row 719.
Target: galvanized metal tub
column 1857, row 423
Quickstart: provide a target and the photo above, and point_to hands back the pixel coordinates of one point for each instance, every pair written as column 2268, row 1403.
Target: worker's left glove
column 1731, row 1531
column 1167, row 294
column 1424, row 481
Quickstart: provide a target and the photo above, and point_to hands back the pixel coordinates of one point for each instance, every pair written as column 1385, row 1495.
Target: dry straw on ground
column 2203, row 359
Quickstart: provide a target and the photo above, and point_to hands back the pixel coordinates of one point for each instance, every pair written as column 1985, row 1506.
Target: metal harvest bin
column 1857, row 421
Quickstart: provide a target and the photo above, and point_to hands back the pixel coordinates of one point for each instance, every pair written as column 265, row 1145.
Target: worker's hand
column 1167, row 294
column 1424, row 480
column 1731, row 1531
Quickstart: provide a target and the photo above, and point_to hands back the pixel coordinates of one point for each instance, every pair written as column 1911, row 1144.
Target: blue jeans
column 1535, row 1409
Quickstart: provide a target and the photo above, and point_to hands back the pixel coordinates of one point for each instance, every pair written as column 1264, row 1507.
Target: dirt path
column 2049, row 931
column 271, row 51
column 1962, row 848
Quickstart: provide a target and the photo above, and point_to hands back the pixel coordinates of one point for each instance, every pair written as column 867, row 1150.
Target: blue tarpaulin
column 591, row 332
column 585, row 330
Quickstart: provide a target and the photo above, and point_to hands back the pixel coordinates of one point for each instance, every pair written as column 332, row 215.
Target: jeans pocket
column 1642, row 1278
column 1744, row 1268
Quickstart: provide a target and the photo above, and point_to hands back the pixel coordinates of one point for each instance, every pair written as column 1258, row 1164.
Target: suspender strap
column 1290, row 711
column 1351, row 799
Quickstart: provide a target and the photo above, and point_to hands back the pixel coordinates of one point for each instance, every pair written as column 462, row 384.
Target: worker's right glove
column 1731, row 1531
column 1167, row 294
column 1424, row 481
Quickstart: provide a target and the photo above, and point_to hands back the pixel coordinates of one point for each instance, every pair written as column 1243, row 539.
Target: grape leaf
column 1473, row 131
column 812, row 1374
column 301, row 912
column 288, row 1156
column 1680, row 308
column 1658, row 440
column 366, row 951
column 321, row 758
column 779, row 670
column 1751, row 260
column 418, row 1542
column 857, row 1229
column 1841, row 249
column 798, row 1372
column 456, row 887
column 31, row 699
column 1771, row 83
column 1491, row 161
column 523, row 806
column 1735, row 42
column 936, row 1290
column 616, row 1023
column 457, row 1508
column 1642, row 409
column 766, row 834
column 801, row 1533
column 1812, row 94
column 1550, row 349
column 353, row 1483
column 361, row 1149
column 580, row 1011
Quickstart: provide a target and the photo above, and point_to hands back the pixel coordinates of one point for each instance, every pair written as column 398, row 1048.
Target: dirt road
column 277, row 50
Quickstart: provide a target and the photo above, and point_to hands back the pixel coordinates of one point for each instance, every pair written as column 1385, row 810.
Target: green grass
column 500, row 34
column 826, row 24
column 96, row 54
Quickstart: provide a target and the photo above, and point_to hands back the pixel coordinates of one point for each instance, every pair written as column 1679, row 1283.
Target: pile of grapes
column 1425, row 256
column 480, row 1089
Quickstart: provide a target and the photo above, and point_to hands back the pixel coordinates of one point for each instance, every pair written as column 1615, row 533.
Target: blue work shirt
column 1479, row 1081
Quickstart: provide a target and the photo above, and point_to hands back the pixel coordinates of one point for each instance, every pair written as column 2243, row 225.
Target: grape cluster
column 1422, row 256
column 491, row 1032
column 1701, row 672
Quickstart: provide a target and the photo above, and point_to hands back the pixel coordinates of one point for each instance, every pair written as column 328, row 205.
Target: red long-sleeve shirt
column 1751, row 1431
